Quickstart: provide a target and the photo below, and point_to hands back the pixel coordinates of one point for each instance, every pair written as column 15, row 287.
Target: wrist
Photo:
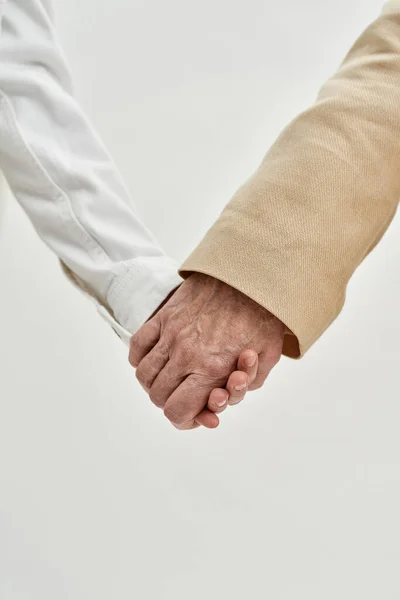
column 163, row 303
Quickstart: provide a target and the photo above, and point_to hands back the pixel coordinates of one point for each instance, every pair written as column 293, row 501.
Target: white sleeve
column 60, row 172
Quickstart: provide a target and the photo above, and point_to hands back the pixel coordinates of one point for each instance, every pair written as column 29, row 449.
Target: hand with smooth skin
column 186, row 353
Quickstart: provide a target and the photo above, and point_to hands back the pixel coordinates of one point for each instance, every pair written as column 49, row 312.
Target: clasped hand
column 203, row 350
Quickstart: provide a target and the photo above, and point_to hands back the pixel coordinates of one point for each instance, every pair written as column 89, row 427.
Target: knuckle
column 157, row 398
column 134, row 342
column 163, row 347
column 174, row 416
column 216, row 366
column 133, row 351
column 183, row 427
column 132, row 359
column 142, row 376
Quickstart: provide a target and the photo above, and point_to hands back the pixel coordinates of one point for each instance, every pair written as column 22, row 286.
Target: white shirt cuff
column 135, row 294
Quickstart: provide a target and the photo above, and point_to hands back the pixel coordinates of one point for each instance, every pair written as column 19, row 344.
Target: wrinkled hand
column 192, row 345
column 233, row 393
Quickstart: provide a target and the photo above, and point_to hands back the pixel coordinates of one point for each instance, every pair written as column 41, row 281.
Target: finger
column 186, row 426
column 266, row 363
column 151, row 365
column 166, row 382
column 207, row 419
column 144, row 340
column 237, row 387
column 188, row 400
column 248, row 363
column 218, row 401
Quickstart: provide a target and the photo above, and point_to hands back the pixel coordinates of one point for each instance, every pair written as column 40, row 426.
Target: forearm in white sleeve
column 60, row 172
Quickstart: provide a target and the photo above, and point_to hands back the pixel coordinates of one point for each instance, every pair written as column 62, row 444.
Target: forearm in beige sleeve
column 327, row 190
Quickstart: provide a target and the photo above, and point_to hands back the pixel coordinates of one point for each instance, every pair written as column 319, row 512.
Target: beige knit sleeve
column 325, row 193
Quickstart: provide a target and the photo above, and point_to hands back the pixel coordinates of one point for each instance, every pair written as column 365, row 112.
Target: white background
column 297, row 495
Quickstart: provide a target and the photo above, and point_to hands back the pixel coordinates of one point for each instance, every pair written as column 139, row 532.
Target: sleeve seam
column 89, row 244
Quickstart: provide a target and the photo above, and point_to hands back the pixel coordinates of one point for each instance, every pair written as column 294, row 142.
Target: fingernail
column 221, row 402
column 240, row 388
column 250, row 361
